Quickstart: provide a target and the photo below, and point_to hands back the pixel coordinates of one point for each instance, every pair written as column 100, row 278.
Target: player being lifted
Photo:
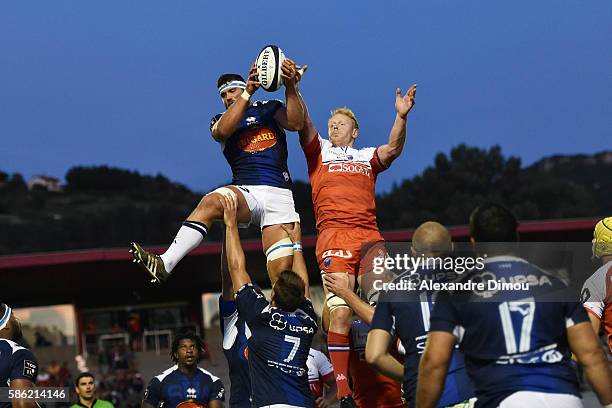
column 281, row 330
column 342, row 179
column 252, row 138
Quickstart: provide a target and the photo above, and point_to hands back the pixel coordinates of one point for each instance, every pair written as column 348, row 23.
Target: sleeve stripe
column 380, row 163
column 590, row 311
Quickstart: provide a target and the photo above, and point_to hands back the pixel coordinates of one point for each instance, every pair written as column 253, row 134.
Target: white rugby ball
column 269, row 63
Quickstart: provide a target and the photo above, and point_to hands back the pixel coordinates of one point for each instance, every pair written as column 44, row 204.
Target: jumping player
column 516, row 344
column 185, row 384
column 282, row 330
column 597, row 290
column 406, row 313
column 18, row 366
column 252, row 138
column 342, row 179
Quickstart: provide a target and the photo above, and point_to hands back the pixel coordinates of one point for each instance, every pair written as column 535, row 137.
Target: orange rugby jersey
column 597, row 298
column 342, row 180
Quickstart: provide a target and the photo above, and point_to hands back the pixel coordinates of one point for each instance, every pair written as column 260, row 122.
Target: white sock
column 188, row 237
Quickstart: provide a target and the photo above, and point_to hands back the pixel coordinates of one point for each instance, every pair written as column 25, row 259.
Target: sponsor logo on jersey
column 340, row 253
column 29, row 368
column 327, row 262
column 251, row 120
column 278, row 321
column 301, row 329
column 354, row 168
column 585, row 295
column 257, row 140
column 191, row 393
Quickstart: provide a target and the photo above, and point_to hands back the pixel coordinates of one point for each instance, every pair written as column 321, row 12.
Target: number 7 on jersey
column 296, row 343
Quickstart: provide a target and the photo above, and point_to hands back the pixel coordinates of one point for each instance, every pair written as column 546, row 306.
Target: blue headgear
column 5, row 317
column 233, row 84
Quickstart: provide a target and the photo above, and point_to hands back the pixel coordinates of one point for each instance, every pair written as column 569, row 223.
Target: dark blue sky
column 132, row 83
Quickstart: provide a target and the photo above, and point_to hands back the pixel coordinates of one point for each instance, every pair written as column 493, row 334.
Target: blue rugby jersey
column 235, row 348
column 16, row 363
column 173, row 388
column 278, row 349
column 512, row 340
column 406, row 313
column 257, row 151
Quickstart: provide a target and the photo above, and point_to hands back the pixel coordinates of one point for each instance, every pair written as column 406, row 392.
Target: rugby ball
column 269, row 63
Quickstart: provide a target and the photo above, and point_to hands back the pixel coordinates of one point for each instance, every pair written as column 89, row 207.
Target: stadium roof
column 99, row 276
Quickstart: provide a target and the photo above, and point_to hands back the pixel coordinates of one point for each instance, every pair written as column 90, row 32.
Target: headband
column 233, row 84
column 5, row 318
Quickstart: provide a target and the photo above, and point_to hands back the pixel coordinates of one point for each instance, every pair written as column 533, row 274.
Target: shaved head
column 431, row 238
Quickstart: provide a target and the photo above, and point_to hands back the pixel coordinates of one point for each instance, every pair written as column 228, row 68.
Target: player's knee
column 211, row 202
column 339, row 312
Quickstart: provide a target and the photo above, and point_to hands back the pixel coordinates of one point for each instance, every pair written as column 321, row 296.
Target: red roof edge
column 211, row 248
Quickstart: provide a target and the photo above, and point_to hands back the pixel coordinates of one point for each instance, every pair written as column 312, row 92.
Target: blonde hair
column 346, row 112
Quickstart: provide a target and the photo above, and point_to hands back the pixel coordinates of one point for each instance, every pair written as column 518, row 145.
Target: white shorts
column 533, row 399
column 269, row 205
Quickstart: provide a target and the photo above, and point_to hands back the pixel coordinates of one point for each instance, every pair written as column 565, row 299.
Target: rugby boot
column 152, row 263
column 348, row 402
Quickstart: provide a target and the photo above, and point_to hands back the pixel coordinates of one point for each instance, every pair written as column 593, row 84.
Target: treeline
column 109, row 207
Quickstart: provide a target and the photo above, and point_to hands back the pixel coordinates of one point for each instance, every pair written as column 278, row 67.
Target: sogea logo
column 257, row 140
column 349, row 168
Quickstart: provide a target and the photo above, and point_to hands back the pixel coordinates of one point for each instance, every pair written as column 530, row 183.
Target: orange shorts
column 341, row 250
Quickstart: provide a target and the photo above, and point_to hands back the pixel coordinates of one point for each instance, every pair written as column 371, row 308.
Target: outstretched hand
column 403, row 104
column 253, row 83
column 230, row 208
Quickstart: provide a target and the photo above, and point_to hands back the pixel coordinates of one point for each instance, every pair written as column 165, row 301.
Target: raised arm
column 299, row 264
column 226, row 281
column 235, row 255
column 309, row 131
column 397, row 138
column 229, row 121
column 292, row 117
